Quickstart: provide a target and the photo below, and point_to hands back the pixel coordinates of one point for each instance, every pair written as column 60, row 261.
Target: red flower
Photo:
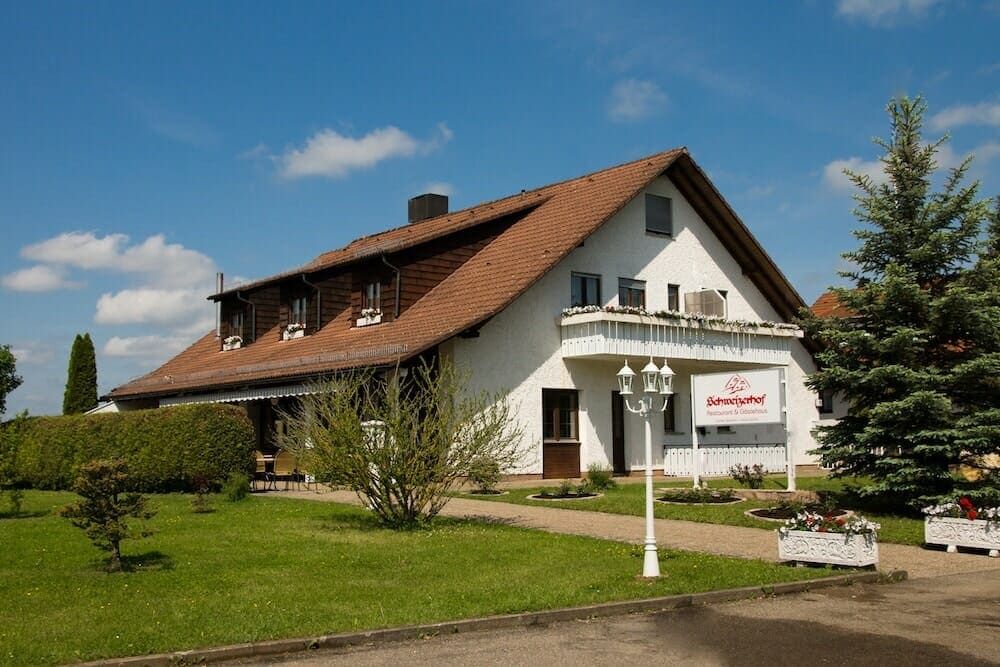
column 965, row 503
column 972, row 514
column 840, row 522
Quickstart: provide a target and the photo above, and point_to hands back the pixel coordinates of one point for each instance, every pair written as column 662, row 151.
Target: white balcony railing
column 604, row 334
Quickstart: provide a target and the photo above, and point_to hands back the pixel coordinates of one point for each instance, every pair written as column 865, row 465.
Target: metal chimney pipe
column 218, row 306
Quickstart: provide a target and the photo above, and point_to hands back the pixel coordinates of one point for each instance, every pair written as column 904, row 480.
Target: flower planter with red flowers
column 961, row 524
column 815, row 538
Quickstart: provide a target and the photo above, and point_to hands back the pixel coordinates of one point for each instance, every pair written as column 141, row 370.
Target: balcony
column 609, row 334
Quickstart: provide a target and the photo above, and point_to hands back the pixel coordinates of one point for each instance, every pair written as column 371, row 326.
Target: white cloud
column 835, row 178
column 984, row 113
column 150, row 306
column 883, row 12
column 32, row 354
column 168, row 264
column 145, row 347
column 40, row 278
column 328, row 153
column 633, row 99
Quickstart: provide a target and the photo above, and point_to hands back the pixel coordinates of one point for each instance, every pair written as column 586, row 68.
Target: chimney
column 427, row 206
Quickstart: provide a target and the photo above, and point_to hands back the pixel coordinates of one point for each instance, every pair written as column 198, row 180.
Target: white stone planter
column 954, row 532
column 368, row 321
column 289, row 335
column 834, row 548
column 226, row 347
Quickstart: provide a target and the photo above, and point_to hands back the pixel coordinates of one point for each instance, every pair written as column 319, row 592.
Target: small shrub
column 484, row 472
column 600, row 478
column 699, row 496
column 105, row 508
column 200, row 502
column 237, row 487
column 14, row 498
column 751, row 477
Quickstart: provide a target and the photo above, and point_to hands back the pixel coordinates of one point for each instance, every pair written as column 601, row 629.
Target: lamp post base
column 650, row 562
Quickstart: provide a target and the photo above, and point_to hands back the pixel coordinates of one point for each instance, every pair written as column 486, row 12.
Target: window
column 298, row 310
column 585, row 289
column 670, row 416
column 659, row 215
column 673, row 297
column 236, row 323
column 826, row 402
column 724, row 429
column 707, row 302
column 371, row 296
column 631, row 293
column 559, row 414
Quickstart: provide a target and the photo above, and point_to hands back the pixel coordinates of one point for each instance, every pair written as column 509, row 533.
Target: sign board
column 738, row 397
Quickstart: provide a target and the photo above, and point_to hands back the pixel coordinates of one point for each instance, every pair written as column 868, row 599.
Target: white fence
column 716, row 460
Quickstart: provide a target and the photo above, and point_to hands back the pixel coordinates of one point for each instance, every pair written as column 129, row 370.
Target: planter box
column 226, row 347
column 833, row 548
column 289, row 335
column 955, row 532
column 368, row 321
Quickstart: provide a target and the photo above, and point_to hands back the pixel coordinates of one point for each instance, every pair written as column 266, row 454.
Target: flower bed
column 699, row 497
column 961, row 524
column 818, row 538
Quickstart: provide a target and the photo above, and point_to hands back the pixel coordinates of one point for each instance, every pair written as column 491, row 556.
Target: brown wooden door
column 617, row 433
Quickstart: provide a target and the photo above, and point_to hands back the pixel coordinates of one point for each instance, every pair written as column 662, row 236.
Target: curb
column 347, row 639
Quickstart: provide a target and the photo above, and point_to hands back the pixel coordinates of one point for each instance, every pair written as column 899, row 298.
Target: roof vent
column 426, row 206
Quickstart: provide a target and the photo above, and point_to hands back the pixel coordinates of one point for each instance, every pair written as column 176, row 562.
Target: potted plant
column 962, row 524
column 369, row 316
column 293, row 330
column 232, row 343
column 816, row 538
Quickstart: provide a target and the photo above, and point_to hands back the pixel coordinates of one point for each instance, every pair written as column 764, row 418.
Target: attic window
column 659, row 215
column 371, row 297
column 298, row 310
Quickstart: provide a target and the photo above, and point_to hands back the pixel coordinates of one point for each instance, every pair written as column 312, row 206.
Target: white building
column 644, row 251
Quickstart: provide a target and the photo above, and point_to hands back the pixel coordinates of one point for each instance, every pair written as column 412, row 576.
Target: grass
column 269, row 568
column 630, row 499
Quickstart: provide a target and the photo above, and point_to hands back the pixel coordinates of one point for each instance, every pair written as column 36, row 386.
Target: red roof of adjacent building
column 828, row 305
column 548, row 223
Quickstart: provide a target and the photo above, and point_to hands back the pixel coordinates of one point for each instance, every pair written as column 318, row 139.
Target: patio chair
column 261, row 473
column 286, row 469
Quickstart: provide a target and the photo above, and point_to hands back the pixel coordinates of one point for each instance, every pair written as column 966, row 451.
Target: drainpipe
column 218, row 306
column 395, row 308
column 319, row 303
column 253, row 316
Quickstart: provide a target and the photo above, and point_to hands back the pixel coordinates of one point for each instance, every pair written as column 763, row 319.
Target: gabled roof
column 828, row 305
column 548, row 223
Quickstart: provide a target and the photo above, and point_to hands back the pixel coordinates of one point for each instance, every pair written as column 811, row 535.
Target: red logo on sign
column 736, row 384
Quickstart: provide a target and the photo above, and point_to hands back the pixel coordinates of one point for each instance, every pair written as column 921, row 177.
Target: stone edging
column 347, row 639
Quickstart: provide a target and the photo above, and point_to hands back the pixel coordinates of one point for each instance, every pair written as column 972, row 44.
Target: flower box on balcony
column 293, row 331
column 369, row 316
column 228, row 345
column 856, row 550
column 957, row 532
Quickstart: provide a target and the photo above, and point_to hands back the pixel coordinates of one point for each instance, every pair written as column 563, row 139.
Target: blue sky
column 146, row 146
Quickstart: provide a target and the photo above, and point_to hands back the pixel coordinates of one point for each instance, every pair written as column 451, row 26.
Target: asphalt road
column 947, row 620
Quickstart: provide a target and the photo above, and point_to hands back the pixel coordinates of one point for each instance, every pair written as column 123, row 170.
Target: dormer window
column 236, row 324
column 298, row 310
column 371, row 297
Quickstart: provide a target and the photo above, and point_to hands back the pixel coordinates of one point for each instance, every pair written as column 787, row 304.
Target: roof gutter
column 395, row 305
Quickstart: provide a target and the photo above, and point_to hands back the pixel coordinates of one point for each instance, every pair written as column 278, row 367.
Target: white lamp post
column 654, row 380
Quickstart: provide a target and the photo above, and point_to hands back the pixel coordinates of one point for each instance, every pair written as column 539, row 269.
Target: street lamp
column 654, row 380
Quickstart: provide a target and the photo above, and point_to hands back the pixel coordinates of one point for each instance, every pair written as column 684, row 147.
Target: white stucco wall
column 520, row 349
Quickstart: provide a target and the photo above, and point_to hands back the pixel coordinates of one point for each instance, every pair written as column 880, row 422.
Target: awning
column 239, row 395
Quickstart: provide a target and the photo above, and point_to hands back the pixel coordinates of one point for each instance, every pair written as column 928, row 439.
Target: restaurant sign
column 743, row 397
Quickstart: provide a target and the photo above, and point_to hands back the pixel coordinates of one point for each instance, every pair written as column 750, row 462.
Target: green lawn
column 629, row 498
column 269, row 568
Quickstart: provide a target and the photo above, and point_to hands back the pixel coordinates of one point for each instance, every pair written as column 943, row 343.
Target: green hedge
column 166, row 449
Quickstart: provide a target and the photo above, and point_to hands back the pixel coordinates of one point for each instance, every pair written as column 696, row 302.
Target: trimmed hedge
column 166, row 448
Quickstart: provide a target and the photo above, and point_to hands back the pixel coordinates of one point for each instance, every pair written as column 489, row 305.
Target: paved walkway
column 712, row 538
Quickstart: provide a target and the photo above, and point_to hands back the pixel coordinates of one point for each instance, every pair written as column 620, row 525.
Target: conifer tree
column 917, row 359
column 81, row 381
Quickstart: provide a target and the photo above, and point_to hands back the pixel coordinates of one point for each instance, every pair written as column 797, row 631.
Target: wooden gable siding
column 267, row 304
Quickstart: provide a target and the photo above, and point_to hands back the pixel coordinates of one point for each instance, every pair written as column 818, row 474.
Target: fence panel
column 717, row 460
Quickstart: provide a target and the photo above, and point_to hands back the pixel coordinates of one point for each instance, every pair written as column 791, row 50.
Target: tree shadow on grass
column 151, row 561
column 24, row 514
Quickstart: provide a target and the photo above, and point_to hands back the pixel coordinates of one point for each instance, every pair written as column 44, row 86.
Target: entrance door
column 617, row 433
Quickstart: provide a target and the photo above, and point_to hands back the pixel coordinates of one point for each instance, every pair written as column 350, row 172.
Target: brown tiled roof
column 828, row 305
column 550, row 222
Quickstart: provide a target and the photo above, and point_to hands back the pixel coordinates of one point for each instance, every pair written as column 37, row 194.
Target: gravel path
column 688, row 535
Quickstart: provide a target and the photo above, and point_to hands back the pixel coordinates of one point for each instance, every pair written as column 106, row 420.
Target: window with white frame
column 585, row 289
column 298, row 310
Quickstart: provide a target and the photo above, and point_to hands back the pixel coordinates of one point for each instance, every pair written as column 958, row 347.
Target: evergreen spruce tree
column 81, row 381
column 917, row 362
